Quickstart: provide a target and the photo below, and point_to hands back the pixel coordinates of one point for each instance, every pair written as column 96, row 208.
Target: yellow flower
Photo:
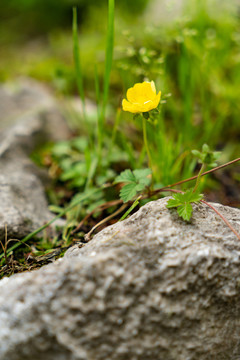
column 141, row 97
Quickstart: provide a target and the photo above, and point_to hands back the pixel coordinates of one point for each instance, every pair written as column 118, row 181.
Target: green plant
column 140, row 156
column 141, row 101
column 135, row 181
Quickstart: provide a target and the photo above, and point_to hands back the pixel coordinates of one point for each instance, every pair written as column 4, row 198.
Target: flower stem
column 145, row 140
column 199, row 177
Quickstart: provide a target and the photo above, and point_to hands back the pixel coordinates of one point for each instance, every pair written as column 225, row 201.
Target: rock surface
column 28, row 118
column 149, row 288
column 165, row 12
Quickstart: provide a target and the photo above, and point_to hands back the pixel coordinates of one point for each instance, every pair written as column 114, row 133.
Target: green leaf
column 205, row 149
column 125, row 176
column 141, row 173
column 190, row 196
column 61, row 148
column 140, row 187
column 128, row 192
column 183, row 202
column 185, row 211
column 142, row 176
column 137, row 176
column 181, row 198
column 196, row 153
column 173, row 203
column 135, row 181
column 207, row 156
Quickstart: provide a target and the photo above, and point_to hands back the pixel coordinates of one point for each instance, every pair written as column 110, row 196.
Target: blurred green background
column 190, row 48
column 35, row 35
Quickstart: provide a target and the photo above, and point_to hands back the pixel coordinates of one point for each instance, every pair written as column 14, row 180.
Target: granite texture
column 151, row 287
column 29, row 117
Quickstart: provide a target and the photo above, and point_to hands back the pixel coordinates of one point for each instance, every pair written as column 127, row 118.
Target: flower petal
column 127, row 106
column 156, row 101
column 141, row 97
column 141, row 92
column 132, row 96
column 152, row 104
column 153, row 86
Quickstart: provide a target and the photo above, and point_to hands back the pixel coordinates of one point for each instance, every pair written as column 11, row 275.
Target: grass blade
column 136, row 202
column 109, row 54
column 99, row 129
column 108, row 66
column 115, row 129
column 77, row 62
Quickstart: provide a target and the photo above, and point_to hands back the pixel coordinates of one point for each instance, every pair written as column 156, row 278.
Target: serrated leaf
column 145, row 182
column 190, row 196
column 126, row 177
column 141, row 173
column 207, row 156
column 128, row 192
column 140, row 187
column 173, row 203
column 135, row 181
column 178, row 199
column 185, row 211
column 184, row 198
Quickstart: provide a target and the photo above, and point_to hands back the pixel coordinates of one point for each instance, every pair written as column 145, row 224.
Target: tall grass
column 108, row 67
column 77, row 62
column 196, row 60
column 94, row 152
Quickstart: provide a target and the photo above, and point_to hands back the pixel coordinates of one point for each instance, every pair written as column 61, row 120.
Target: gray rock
column 149, row 288
column 29, row 116
column 165, row 12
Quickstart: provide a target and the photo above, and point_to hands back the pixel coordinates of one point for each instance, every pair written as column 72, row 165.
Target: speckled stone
column 149, row 288
column 29, row 117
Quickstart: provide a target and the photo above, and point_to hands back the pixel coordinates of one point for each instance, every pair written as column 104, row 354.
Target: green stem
column 107, row 73
column 136, row 202
column 99, row 133
column 79, row 72
column 199, row 177
column 145, row 140
column 195, row 177
column 115, row 129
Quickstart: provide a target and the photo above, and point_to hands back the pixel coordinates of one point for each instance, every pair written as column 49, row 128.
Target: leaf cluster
column 135, row 181
column 183, row 203
column 207, row 156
